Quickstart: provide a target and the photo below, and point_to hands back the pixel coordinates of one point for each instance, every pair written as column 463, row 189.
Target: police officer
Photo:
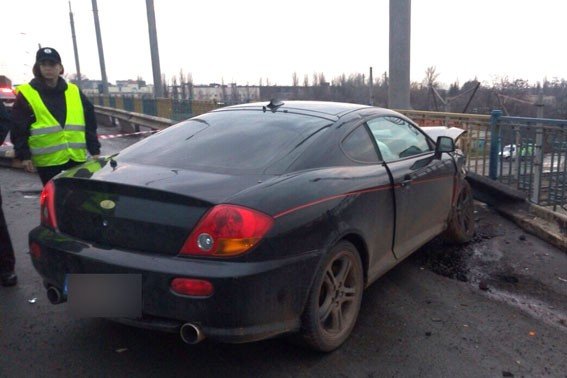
column 54, row 124
column 7, row 260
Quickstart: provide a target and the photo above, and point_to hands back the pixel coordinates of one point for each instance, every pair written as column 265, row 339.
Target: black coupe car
column 250, row 221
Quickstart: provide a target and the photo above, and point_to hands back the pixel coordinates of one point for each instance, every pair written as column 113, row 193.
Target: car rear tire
column 334, row 300
column 461, row 225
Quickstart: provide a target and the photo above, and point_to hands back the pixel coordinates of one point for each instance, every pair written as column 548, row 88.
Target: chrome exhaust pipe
column 54, row 295
column 191, row 333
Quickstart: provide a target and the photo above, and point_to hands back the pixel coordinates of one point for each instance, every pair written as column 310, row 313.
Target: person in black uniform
column 52, row 89
column 7, row 260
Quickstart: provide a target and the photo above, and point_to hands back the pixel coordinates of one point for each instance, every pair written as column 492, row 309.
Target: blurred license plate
column 105, row 295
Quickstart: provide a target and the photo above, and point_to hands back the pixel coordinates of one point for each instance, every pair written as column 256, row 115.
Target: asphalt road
column 496, row 307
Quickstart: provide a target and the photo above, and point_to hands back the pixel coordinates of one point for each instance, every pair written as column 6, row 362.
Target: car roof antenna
column 273, row 105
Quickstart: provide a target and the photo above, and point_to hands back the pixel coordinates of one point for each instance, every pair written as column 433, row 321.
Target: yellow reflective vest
column 49, row 143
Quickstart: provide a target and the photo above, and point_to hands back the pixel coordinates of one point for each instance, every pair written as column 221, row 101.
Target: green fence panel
column 149, row 106
column 128, row 103
column 181, row 110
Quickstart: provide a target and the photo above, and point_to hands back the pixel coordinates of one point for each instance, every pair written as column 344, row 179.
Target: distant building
column 226, row 94
column 131, row 87
column 135, row 88
column 91, row 86
column 123, row 83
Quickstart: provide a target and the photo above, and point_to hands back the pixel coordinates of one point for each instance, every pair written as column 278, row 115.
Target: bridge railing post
column 494, row 144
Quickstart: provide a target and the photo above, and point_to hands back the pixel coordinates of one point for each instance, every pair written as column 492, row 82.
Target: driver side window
column 397, row 138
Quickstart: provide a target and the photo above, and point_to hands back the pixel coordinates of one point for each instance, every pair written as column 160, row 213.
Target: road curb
column 545, row 224
column 535, row 225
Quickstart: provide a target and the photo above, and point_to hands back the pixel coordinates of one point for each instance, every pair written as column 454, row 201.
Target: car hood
column 436, row 131
column 205, row 186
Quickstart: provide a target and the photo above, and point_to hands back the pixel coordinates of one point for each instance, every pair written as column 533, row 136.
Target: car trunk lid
column 126, row 217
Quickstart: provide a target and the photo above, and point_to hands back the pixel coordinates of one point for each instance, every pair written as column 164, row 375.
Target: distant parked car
column 252, row 221
column 8, row 97
column 510, row 151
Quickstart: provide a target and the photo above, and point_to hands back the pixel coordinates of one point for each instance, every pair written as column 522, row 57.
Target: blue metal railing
column 530, row 154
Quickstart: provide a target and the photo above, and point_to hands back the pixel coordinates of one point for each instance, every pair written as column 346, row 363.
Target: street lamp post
column 158, row 88
column 100, row 50
column 77, row 66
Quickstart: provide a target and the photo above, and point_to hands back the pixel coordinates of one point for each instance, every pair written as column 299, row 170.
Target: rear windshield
column 244, row 141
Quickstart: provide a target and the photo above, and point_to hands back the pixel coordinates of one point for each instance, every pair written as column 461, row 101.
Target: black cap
column 47, row 53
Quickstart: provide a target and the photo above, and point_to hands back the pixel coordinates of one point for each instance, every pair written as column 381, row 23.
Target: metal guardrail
column 177, row 110
column 130, row 121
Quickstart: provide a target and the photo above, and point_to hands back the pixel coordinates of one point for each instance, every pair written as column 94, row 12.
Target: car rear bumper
column 251, row 300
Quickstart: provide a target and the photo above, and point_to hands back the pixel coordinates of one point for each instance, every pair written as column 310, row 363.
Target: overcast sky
column 243, row 41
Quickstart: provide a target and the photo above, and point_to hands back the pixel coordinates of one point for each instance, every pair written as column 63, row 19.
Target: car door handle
column 407, row 181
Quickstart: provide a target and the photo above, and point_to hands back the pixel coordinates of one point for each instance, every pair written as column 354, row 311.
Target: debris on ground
column 508, row 278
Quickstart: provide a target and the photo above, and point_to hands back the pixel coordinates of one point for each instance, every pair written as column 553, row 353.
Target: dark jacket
column 54, row 100
column 5, row 124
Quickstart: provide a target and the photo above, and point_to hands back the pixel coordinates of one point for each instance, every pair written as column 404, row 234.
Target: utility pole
column 100, row 50
column 158, row 88
column 371, row 87
column 77, row 66
column 400, row 37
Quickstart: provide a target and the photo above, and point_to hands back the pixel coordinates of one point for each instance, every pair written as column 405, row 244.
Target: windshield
column 244, row 141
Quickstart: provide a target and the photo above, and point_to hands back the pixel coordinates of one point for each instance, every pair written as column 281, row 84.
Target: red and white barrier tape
column 110, row 136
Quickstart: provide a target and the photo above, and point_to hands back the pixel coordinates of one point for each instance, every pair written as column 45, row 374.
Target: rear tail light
column 47, row 205
column 227, row 230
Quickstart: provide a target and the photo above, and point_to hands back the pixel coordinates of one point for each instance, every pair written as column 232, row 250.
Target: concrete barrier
column 548, row 225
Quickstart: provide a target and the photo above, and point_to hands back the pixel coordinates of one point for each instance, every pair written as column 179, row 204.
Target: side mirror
column 444, row 144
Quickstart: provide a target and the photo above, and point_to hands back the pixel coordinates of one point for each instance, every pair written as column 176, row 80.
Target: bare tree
column 431, row 77
column 182, row 84
column 174, row 88
column 234, row 95
column 189, row 80
column 295, row 79
column 223, row 91
column 72, row 77
column 315, row 81
column 306, row 80
column 165, row 86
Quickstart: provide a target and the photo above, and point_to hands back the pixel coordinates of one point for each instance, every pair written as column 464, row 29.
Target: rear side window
column 243, row 141
column 359, row 147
